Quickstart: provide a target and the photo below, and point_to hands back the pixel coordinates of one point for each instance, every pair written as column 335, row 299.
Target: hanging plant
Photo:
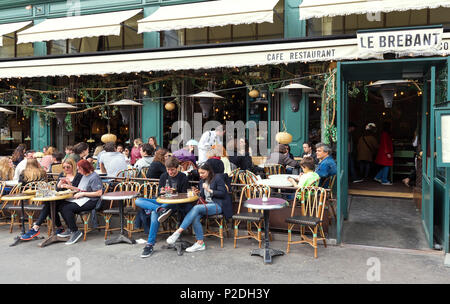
column 329, row 99
column 68, row 123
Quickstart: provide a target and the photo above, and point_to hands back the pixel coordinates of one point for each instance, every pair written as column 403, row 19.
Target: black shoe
column 74, row 237
column 148, row 251
column 163, row 214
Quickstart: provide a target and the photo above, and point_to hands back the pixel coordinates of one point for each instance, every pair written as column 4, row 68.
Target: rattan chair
column 130, row 210
column 86, row 216
column 307, row 214
column 143, row 172
column 125, row 175
column 253, row 218
column 271, row 169
column 221, row 223
column 247, row 177
column 331, row 200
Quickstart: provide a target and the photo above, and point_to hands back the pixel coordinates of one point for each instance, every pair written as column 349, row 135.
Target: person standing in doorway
column 385, row 157
column 367, row 150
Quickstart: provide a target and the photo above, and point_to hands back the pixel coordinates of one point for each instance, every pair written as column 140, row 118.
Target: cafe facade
column 150, row 51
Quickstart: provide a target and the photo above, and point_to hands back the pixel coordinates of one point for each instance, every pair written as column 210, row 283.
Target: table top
column 99, row 172
column 16, row 197
column 270, row 204
column 282, row 176
column 52, row 198
column 120, row 195
column 179, row 198
column 274, row 182
column 11, row 183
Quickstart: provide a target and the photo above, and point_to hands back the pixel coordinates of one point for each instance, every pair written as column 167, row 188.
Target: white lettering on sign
column 302, row 55
column 416, row 42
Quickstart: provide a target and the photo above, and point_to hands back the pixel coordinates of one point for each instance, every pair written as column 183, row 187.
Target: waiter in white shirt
column 209, row 139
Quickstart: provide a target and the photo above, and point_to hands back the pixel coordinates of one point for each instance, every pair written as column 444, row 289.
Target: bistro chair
column 125, row 175
column 10, row 207
column 252, row 217
column 143, row 172
column 35, row 207
column 130, row 210
column 86, row 216
column 220, row 221
column 271, row 169
column 247, row 177
column 307, row 214
column 3, row 215
column 331, row 206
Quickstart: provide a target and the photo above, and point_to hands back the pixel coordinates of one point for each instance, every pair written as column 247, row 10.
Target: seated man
column 112, row 162
column 281, row 156
column 160, row 212
column 327, row 166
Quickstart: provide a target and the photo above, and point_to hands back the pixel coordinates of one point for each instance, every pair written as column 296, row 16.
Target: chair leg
column 85, row 219
column 323, row 236
column 236, row 225
column 107, row 219
column 13, row 216
column 289, row 239
column 315, row 242
column 221, row 233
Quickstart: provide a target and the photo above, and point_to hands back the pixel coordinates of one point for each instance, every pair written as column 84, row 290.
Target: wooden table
column 271, row 204
column 120, row 196
column 18, row 197
column 179, row 198
column 53, row 238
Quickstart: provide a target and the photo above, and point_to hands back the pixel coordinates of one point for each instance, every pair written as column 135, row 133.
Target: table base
column 267, row 254
column 53, row 239
column 179, row 246
column 120, row 239
column 18, row 240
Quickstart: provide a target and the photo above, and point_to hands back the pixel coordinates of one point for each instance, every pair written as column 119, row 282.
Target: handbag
column 202, row 201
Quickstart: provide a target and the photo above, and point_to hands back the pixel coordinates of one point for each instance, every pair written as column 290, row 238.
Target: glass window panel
column 220, row 34
column 172, row 38
column 7, row 50
column 196, row 36
column 57, row 47
column 89, row 44
column 440, row 16
column 244, row 32
column 25, row 50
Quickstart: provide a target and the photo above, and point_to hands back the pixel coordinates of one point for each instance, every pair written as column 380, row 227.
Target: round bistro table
column 179, row 198
column 18, row 197
column 53, row 238
column 271, row 204
column 120, row 196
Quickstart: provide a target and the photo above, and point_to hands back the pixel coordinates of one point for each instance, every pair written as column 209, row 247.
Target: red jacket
column 384, row 149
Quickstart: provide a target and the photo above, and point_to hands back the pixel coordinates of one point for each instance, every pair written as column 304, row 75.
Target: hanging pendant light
column 206, row 101
column 295, row 91
column 387, row 89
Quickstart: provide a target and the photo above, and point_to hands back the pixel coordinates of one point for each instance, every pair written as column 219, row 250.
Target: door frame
column 343, row 69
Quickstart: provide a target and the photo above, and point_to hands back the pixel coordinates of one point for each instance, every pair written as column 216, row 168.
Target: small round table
column 120, row 196
column 271, row 204
column 18, row 197
column 179, row 198
column 53, row 238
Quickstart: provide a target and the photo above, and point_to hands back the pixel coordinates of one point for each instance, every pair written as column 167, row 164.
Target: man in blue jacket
column 327, row 166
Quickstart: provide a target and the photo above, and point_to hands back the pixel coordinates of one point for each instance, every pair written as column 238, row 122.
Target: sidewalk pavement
column 94, row 262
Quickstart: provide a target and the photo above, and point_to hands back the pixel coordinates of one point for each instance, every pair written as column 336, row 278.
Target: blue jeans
column 383, row 174
column 151, row 205
column 194, row 216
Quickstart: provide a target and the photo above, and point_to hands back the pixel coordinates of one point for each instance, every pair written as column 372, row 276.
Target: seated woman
column 33, row 172
column 157, row 167
column 6, row 172
column 90, row 191
column 176, row 180
column 308, row 177
column 214, row 192
column 68, row 179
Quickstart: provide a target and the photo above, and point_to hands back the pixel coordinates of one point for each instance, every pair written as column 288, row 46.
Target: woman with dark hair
column 18, row 155
column 157, row 167
column 217, row 200
column 90, row 190
column 385, row 155
column 152, row 142
column 367, row 149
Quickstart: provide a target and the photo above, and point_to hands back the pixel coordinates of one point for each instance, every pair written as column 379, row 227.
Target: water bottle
column 167, row 188
column 264, row 198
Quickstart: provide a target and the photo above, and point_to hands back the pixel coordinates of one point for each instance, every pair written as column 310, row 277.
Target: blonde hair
column 137, row 142
column 6, row 171
column 50, row 150
column 71, row 162
column 33, row 171
column 98, row 150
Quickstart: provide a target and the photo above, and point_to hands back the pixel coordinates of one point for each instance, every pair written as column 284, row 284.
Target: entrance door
column 342, row 153
column 428, row 149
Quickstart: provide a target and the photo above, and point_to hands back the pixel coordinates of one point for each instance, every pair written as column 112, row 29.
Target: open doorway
column 392, row 218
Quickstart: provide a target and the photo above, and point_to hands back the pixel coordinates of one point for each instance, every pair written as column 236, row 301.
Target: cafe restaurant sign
column 404, row 42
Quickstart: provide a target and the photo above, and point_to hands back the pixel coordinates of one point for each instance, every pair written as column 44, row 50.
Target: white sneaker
column 196, row 247
column 173, row 238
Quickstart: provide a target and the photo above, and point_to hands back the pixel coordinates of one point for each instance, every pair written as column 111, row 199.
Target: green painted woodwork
column 296, row 122
column 40, row 131
column 152, row 120
column 293, row 26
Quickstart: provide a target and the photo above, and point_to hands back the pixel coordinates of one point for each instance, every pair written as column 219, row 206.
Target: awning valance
column 76, row 27
column 331, row 8
column 11, row 28
column 210, row 13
